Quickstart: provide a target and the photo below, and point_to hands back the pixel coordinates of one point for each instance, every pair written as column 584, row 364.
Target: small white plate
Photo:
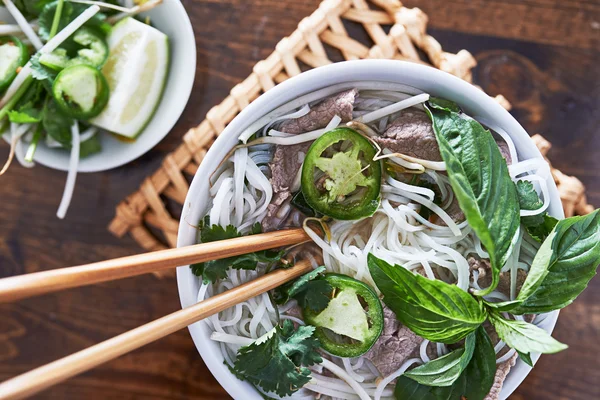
column 170, row 18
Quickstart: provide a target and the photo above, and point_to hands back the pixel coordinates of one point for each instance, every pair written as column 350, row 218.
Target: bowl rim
column 185, row 83
column 421, row 77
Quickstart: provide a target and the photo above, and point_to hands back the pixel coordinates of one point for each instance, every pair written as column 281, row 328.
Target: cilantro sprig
column 211, row 271
column 279, row 363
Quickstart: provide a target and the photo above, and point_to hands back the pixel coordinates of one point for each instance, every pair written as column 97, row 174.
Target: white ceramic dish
column 421, row 78
column 170, row 18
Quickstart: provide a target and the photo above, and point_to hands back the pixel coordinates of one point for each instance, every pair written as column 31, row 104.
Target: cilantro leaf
column 310, row 290
column 278, row 364
column 25, row 116
column 538, row 226
column 212, row 271
column 42, row 73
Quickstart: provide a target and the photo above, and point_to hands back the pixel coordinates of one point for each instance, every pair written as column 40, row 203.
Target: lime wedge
column 136, row 71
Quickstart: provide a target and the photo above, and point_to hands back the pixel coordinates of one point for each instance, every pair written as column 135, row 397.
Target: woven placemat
column 144, row 214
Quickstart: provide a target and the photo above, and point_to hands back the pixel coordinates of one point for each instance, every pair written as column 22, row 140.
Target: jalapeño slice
column 353, row 320
column 80, row 91
column 339, row 177
column 93, row 51
column 13, row 54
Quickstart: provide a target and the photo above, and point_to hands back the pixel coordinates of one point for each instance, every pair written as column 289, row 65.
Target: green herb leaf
column 474, row 383
column 90, row 146
column 563, row 266
column 480, row 180
column 310, row 290
column 538, row 226
column 432, row 309
column 278, row 364
column 540, row 232
column 211, row 271
column 526, row 357
column 42, row 73
column 31, row 8
column 70, row 11
column 445, row 370
column 26, row 116
column 525, row 337
column 56, row 124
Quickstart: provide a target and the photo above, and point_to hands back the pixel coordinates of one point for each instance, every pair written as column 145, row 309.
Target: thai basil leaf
column 525, row 337
column 480, row 180
column 474, row 383
column 538, row 226
column 445, row 370
column 432, row 309
column 537, row 273
column 563, row 266
column 481, row 371
column 526, row 357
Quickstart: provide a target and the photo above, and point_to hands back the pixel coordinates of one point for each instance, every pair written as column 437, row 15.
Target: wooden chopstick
column 43, row 377
column 19, row 287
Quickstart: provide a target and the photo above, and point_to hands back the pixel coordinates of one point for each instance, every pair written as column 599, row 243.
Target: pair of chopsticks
column 24, row 286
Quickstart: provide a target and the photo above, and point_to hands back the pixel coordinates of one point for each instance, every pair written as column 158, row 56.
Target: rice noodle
column 505, row 136
column 23, row 24
column 343, row 375
column 393, row 108
column 71, row 174
column 423, row 351
column 388, row 379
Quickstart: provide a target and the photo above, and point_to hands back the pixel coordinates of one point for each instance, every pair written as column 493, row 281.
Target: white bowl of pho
column 437, row 274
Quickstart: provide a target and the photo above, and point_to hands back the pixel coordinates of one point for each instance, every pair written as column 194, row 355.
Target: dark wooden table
column 543, row 55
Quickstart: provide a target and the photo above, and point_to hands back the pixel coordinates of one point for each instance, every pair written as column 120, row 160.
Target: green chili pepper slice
column 339, row 177
column 92, row 50
column 13, row 54
column 352, row 321
column 81, row 91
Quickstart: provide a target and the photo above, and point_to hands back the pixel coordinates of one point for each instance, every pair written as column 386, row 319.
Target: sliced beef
column 285, row 166
column 501, row 372
column 411, row 134
column 342, row 105
column 503, row 147
column 396, row 344
column 485, row 275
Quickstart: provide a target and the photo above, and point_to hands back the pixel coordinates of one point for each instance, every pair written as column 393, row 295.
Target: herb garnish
column 442, row 312
column 538, row 226
column 432, row 309
column 311, row 291
column 484, row 190
column 211, row 271
column 278, row 363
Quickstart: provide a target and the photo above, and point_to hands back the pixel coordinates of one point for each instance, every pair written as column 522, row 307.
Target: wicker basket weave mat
column 143, row 214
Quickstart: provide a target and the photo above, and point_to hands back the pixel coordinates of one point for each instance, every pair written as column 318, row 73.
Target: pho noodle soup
column 401, row 194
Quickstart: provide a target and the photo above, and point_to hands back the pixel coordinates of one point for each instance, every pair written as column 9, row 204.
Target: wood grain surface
column 543, row 55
